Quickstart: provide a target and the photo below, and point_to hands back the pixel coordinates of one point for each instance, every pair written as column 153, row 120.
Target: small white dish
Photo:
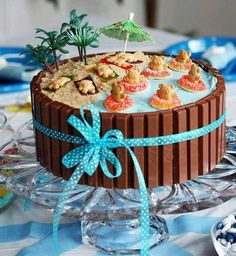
column 223, row 250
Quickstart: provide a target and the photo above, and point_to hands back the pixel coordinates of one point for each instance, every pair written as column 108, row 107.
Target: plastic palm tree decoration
column 79, row 34
column 126, row 30
column 40, row 54
column 54, row 41
column 88, row 37
column 72, row 29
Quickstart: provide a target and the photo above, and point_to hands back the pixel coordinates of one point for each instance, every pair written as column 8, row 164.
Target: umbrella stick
column 131, row 16
column 126, row 41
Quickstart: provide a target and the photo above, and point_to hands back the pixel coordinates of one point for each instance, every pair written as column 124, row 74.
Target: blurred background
column 171, row 23
column 19, row 18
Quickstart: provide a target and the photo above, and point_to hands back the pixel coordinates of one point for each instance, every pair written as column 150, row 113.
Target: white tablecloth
column 192, row 243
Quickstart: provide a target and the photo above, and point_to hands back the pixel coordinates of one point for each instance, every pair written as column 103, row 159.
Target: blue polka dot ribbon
column 94, row 151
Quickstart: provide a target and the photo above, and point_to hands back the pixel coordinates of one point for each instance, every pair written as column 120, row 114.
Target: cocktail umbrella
column 126, row 30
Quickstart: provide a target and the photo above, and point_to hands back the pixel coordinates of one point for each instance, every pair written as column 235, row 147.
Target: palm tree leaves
column 74, row 23
column 46, row 53
column 76, row 32
column 89, row 36
column 40, row 54
column 80, row 34
column 54, row 40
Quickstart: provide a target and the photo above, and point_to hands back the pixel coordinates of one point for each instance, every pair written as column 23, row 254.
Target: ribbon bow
column 88, row 156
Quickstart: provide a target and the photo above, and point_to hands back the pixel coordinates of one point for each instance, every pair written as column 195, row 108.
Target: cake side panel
column 221, row 108
column 212, row 136
column 107, row 124
column 180, row 149
column 192, row 112
column 154, row 168
column 123, row 123
column 39, row 136
column 34, row 114
column 55, row 144
column 139, row 127
column 65, row 113
column 219, row 112
column 203, row 114
column 46, row 121
column 223, row 143
column 167, row 153
column 84, row 178
column 96, row 179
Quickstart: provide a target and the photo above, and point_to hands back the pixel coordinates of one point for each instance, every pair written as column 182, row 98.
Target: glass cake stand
column 109, row 215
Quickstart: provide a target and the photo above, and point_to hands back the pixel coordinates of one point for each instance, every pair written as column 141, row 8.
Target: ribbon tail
column 145, row 218
column 70, row 186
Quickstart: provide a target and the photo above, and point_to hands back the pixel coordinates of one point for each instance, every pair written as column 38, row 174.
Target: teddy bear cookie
column 181, row 62
column 165, row 97
column 104, row 71
column 157, row 68
column 192, row 81
column 118, row 60
column 134, row 82
column 86, row 86
column 58, row 83
column 117, row 101
column 134, row 58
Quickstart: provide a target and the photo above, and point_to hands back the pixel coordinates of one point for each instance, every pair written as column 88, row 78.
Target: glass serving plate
column 6, row 134
column 108, row 215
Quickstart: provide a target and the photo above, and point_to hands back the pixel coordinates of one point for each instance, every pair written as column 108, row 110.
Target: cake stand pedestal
column 122, row 237
column 110, row 217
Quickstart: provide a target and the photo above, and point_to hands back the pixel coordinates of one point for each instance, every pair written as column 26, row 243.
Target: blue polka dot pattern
column 138, row 142
column 94, row 151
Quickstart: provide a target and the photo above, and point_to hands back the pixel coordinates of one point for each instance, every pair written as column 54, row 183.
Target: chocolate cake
column 55, row 98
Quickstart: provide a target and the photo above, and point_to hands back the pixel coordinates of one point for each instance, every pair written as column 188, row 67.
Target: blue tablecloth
column 29, row 233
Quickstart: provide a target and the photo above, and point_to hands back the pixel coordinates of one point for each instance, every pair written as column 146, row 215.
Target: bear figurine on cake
column 165, row 97
column 181, row 62
column 157, row 68
column 192, row 81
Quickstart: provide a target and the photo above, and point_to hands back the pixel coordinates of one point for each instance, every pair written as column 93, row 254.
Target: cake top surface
column 141, row 75
column 116, row 82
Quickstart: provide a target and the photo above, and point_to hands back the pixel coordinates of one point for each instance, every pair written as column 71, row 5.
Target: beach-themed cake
column 141, row 94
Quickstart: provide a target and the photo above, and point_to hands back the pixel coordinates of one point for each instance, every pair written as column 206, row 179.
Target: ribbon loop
column 108, row 155
column 112, row 139
column 84, row 128
column 72, row 158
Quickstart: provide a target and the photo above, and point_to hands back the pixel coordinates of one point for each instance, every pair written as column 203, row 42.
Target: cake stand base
column 122, row 237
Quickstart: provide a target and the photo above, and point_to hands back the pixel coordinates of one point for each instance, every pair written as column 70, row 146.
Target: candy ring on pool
column 153, row 74
column 157, row 102
column 185, row 83
column 178, row 66
column 112, row 105
column 135, row 88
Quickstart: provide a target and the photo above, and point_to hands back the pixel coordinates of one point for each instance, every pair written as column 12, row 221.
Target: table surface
column 184, row 244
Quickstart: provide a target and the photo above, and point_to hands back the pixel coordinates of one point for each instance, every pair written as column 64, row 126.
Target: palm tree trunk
column 82, row 54
column 55, row 59
column 85, row 56
column 47, row 67
column 79, row 50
